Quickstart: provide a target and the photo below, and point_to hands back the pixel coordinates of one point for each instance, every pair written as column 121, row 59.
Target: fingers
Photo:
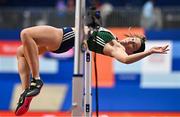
column 161, row 49
column 167, row 50
column 166, row 46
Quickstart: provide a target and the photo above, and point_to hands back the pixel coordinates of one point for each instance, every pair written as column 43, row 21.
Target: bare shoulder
column 116, row 44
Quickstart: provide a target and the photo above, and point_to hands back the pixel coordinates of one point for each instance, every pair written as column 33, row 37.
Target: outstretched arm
column 122, row 56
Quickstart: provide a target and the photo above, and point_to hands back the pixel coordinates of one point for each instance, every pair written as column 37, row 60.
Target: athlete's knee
column 19, row 52
column 25, row 35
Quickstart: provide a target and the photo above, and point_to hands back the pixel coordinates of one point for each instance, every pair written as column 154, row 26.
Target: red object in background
column 105, row 72
column 9, row 48
column 120, row 32
column 101, row 114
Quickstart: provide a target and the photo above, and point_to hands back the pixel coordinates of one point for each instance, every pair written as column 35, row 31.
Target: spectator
column 158, row 18
column 148, row 17
column 105, row 9
column 61, row 7
column 70, row 5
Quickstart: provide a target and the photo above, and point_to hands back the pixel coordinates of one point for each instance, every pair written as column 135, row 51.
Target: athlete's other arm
column 120, row 54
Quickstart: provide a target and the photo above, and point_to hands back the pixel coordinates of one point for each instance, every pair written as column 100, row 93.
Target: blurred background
column 150, row 87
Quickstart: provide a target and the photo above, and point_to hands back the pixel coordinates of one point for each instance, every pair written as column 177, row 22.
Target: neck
column 122, row 44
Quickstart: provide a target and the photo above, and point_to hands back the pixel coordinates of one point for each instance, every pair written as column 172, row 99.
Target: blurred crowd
column 115, row 3
column 150, row 15
column 150, row 18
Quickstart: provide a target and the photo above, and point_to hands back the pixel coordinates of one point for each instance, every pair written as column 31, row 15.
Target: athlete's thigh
column 46, row 36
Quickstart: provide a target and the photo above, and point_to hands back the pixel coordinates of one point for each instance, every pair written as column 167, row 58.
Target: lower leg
column 23, row 68
column 24, row 72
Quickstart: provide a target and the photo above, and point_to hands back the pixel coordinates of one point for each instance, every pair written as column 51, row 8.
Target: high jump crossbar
column 81, row 89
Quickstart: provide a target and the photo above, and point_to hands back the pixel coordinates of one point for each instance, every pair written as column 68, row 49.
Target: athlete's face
column 131, row 44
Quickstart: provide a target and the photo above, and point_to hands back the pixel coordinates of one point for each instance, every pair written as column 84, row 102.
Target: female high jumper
column 40, row 39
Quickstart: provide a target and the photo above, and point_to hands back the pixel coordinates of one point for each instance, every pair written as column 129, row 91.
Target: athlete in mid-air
column 40, row 39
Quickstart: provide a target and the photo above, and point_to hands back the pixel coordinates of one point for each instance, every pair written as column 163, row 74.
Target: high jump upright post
column 81, row 90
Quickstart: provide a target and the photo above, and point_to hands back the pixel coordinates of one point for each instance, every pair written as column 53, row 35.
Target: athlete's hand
column 159, row 49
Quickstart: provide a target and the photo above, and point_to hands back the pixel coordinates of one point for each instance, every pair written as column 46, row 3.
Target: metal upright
column 77, row 88
column 87, row 88
column 81, row 89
